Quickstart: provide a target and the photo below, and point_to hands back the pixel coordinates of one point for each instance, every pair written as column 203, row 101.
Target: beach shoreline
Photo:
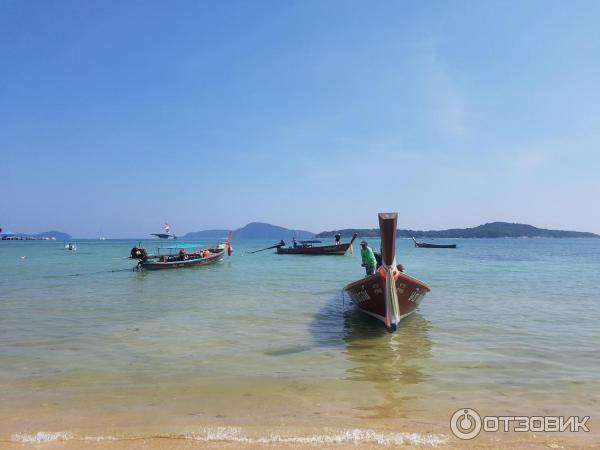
column 351, row 439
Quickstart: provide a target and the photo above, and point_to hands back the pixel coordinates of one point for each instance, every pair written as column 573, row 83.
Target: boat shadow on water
column 393, row 363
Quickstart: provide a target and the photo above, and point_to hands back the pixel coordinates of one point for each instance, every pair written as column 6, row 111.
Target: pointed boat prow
column 389, row 295
column 387, row 230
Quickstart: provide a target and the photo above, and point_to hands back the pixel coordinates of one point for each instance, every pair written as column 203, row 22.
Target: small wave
column 42, row 436
column 356, row 436
column 233, row 434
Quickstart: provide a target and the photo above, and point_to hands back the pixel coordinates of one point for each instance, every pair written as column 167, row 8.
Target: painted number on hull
column 377, row 289
column 360, row 296
column 416, row 296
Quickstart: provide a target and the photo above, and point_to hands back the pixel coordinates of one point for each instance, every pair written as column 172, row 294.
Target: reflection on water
column 394, row 362
column 391, row 362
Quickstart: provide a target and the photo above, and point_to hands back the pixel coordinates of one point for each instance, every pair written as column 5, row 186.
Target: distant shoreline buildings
column 45, row 236
column 18, row 237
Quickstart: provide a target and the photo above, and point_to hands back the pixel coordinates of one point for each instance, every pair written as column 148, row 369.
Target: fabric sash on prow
column 228, row 244
column 387, row 228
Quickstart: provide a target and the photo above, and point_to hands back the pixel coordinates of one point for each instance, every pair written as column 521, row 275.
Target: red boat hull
column 339, row 249
column 368, row 295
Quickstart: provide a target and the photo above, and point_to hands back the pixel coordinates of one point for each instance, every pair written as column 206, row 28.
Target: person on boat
column 378, row 258
column 295, row 243
column 338, row 238
column 368, row 258
column 182, row 254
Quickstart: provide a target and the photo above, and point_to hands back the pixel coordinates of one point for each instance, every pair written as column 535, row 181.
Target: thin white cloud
column 446, row 103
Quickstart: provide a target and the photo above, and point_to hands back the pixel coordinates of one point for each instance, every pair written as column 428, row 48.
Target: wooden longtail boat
column 389, row 295
column 426, row 245
column 167, row 234
column 163, row 235
column 306, row 249
column 181, row 255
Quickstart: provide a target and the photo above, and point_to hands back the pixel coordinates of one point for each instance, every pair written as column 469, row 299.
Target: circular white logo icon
column 465, row 423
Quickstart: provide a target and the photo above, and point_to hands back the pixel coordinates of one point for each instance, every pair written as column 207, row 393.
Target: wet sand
column 532, row 441
column 408, row 433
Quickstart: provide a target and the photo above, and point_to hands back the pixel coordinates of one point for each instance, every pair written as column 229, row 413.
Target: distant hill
column 206, row 234
column 488, row 230
column 254, row 230
column 59, row 235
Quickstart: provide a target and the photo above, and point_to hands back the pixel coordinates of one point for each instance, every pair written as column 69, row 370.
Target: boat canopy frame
column 168, row 250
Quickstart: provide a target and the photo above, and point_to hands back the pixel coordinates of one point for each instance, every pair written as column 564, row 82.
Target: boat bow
column 387, row 228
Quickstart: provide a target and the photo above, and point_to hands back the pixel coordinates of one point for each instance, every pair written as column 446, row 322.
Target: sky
column 116, row 116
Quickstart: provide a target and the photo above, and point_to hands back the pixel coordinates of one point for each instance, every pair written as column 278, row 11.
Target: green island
column 488, row 230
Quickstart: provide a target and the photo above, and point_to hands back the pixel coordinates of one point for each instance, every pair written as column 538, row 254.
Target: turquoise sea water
column 267, row 343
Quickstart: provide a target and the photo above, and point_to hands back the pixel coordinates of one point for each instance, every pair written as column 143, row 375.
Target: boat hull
column 368, row 294
column 158, row 265
column 163, row 235
column 424, row 245
column 339, row 250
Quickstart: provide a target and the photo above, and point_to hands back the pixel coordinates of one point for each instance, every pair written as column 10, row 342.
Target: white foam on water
column 356, row 435
column 42, row 436
column 104, row 438
column 233, row 434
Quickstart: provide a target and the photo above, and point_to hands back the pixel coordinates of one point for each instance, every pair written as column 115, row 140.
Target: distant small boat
column 70, row 246
column 389, row 295
column 163, row 235
column 167, row 234
column 426, row 245
column 102, row 238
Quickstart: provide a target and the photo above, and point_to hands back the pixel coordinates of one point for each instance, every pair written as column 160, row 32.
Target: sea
column 266, row 349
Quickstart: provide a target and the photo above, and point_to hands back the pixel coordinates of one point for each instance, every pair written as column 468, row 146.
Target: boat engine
column 138, row 253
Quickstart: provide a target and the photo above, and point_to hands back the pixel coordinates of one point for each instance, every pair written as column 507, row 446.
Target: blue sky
column 115, row 116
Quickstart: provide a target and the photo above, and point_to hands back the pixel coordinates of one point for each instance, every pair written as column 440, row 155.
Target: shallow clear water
column 268, row 342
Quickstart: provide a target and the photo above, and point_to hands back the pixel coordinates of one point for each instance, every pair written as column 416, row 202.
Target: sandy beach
column 531, row 442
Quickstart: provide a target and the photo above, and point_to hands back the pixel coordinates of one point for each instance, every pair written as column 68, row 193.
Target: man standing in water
column 368, row 258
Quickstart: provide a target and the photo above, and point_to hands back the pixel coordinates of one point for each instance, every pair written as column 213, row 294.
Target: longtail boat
column 163, row 235
column 306, row 248
column 426, row 245
column 180, row 255
column 167, row 234
column 388, row 295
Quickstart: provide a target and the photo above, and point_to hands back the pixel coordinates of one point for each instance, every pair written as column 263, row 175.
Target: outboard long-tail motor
column 138, row 252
